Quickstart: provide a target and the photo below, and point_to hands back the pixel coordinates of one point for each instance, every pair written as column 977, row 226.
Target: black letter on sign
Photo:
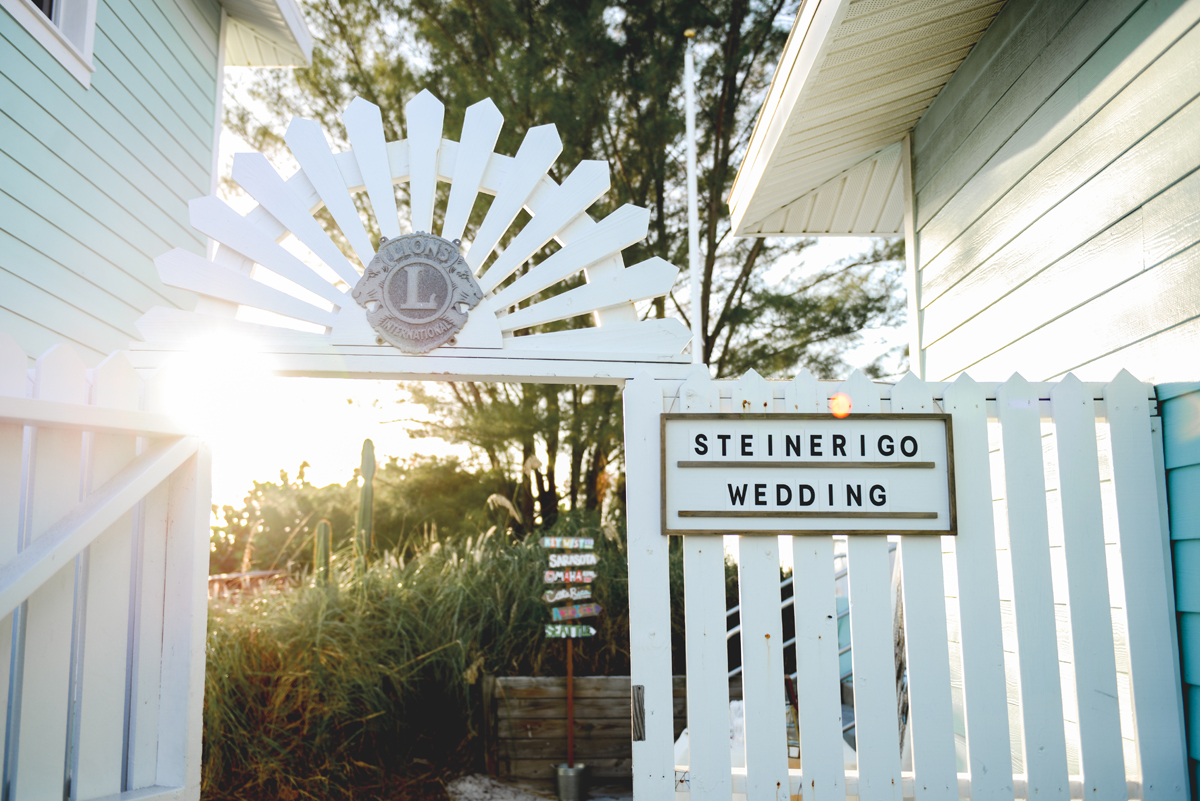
column 760, row 494
column 854, row 494
column 724, row 443
column 747, row 442
column 831, row 495
column 735, row 497
column 904, row 443
column 770, row 446
column 891, row 448
column 780, row 498
column 793, row 444
column 862, row 444
column 701, row 444
column 878, row 495
column 814, row 445
column 839, row 445
column 808, row 495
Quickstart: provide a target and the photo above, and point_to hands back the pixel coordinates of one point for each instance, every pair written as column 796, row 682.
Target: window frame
column 70, row 46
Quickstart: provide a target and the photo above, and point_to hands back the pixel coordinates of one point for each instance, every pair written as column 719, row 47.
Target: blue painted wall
column 1179, row 405
column 94, row 182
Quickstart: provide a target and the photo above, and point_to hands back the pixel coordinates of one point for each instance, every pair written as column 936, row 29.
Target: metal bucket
column 572, row 782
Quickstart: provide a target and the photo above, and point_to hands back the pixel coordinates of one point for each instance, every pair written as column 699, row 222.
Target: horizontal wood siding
column 94, row 183
column 1179, row 406
column 1057, row 197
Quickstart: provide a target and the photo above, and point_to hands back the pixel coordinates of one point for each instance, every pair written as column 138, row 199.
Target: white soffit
column 266, row 33
column 854, row 79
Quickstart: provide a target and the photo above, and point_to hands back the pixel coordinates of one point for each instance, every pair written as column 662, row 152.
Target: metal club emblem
column 417, row 292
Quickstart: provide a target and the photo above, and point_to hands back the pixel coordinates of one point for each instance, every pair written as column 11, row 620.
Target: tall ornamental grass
column 368, row 687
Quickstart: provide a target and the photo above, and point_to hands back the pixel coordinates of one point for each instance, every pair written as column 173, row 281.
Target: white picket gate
column 103, row 565
column 1044, row 631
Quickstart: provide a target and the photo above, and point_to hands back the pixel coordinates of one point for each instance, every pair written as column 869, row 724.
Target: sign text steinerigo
column 807, row 474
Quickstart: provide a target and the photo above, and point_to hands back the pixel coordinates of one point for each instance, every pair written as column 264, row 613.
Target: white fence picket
column 815, row 607
column 1078, row 470
column 46, row 620
column 927, row 646
column 985, row 698
column 1033, row 596
column 763, row 691
column 364, row 126
column 101, row 708
column 649, row 597
column 481, row 129
column 13, row 368
column 423, row 115
column 704, row 618
column 876, row 729
column 1157, row 709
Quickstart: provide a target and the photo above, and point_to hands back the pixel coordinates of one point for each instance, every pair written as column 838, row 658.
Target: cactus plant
column 364, row 532
column 321, row 550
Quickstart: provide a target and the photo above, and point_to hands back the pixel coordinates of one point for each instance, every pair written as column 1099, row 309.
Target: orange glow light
column 839, row 404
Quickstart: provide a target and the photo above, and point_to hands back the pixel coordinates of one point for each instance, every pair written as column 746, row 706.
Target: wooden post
column 570, row 702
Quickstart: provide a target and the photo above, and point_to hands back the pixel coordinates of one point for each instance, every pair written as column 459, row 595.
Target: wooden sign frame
column 952, row 530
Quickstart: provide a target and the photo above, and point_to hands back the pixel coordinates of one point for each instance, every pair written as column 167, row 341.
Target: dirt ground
column 484, row 788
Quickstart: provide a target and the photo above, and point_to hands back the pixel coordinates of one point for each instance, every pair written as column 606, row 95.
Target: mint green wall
column 94, row 182
column 1057, row 196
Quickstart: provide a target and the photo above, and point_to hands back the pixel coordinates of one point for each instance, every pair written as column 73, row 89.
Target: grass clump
column 367, row 687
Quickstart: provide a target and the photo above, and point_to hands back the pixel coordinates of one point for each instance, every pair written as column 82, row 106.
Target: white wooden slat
column 424, row 115
column 55, row 550
column 1148, row 611
column 667, row 337
column 931, row 711
column 649, row 279
column 817, row 680
column 704, row 616
column 538, row 151
column 609, row 237
column 185, row 612
column 188, row 271
column 364, row 126
column 649, row 598
column 255, row 174
column 72, row 417
column 13, row 379
column 44, row 683
column 101, row 705
column 876, row 728
column 583, row 187
column 762, row 635
column 984, row 693
column 481, row 129
column 1033, row 595
column 1078, row 467
column 307, row 142
column 212, row 217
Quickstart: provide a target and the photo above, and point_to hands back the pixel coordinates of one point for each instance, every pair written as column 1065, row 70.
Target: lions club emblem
column 417, row 291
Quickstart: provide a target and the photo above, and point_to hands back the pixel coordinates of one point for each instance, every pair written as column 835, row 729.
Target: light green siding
column 1057, row 198
column 94, row 182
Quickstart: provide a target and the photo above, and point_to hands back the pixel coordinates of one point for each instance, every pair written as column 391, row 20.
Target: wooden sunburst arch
column 619, row 346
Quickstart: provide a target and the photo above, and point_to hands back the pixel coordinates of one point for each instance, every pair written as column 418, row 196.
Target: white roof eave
column 267, row 33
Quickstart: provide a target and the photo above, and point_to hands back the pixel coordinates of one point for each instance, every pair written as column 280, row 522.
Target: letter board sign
column 807, row 474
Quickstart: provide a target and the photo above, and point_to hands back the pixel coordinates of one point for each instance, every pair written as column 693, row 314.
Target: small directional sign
column 573, row 559
column 568, row 630
column 571, row 612
column 568, row 543
column 566, row 594
column 568, row 576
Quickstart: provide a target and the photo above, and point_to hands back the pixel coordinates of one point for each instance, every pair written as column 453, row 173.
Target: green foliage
column 346, row 689
column 322, row 553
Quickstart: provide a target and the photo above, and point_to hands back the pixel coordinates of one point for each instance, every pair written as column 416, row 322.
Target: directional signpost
column 565, row 568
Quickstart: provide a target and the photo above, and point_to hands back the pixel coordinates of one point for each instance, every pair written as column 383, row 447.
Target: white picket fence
column 1044, row 631
column 103, row 565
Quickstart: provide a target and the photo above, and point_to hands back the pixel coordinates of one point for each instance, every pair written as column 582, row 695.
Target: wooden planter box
column 525, row 724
